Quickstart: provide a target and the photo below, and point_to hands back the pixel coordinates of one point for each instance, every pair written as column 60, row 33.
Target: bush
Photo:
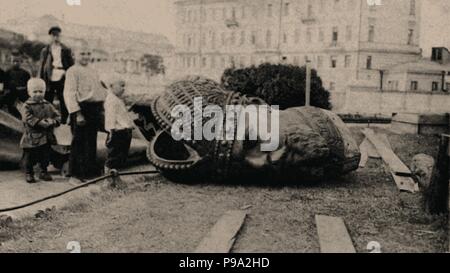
column 277, row 84
column 32, row 49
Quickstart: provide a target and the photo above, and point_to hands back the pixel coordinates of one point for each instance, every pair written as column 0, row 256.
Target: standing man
column 56, row 59
column 84, row 96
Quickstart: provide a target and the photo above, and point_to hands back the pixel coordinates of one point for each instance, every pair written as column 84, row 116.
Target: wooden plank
column 222, row 236
column 371, row 151
column 405, row 183
column 388, row 156
column 333, row 235
column 385, row 140
column 364, row 155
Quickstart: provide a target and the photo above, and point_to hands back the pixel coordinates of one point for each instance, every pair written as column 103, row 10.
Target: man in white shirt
column 119, row 125
column 56, row 59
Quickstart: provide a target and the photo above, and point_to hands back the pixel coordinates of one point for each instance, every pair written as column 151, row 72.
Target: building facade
column 347, row 41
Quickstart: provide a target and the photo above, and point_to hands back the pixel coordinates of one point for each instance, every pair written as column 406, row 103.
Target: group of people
column 84, row 104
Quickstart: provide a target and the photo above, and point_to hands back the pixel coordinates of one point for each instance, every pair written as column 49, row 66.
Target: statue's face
column 312, row 143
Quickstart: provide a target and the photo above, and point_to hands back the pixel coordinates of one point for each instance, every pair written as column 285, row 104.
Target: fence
column 375, row 101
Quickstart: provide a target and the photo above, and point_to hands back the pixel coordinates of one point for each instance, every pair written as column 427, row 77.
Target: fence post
column 308, row 84
column 436, row 196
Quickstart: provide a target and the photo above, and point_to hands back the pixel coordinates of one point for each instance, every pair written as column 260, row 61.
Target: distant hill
column 105, row 38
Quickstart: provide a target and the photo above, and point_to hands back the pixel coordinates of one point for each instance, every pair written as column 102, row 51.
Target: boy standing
column 84, row 97
column 39, row 118
column 17, row 79
column 118, row 124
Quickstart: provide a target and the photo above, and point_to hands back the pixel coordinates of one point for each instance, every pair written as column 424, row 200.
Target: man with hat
column 56, row 59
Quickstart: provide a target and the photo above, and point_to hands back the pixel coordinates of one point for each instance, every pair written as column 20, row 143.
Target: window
column 321, row 35
column 232, row 38
column 348, row 60
column 297, row 36
column 286, row 9
column 204, row 62
column 285, row 38
column 414, row 85
column 213, row 62
column 371, row 38
column 319, row 61
column 242, row 38
column 335, row 35
column 203, row 39
column 213, row 40
column 269, row 38
column 269, row 10
column 369, row 62
column 308, row 35
column 348, row 33
column 333, row 60
column 410, row 36
column 448, row 87
column 435, row 86
column 253, row 39
column 412, row 7
column 233, row 13
column 332, row 86
column 310, row 11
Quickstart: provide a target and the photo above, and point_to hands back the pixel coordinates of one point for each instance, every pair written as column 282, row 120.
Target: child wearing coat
column 40, row 118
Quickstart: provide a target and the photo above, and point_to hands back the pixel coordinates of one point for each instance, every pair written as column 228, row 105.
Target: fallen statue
column 313, row 143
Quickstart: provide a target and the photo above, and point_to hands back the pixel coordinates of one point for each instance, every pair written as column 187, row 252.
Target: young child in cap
column 118, row 124
column 40, row 118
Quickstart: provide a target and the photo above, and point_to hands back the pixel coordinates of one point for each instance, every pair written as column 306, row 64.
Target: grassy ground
column 155, row 215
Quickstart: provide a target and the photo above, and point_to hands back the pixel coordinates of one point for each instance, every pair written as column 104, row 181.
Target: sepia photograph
column 231, row 127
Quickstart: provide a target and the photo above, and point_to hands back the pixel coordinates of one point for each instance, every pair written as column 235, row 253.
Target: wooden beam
column 364, row 155
column 222, row 236
column 333, row 235
column 405, row 183
column 388, row 156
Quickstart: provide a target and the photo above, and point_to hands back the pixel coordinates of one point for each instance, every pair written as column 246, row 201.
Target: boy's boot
column 30, row 178
column 45, row 176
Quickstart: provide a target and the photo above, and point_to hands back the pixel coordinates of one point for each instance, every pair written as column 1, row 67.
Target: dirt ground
column 155, row 215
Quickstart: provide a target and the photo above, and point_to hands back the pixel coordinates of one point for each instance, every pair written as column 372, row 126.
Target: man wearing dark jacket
column 56, row 59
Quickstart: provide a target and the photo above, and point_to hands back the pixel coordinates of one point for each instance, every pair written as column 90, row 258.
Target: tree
column 277, row 84
column 32, row 49
column 153, row 64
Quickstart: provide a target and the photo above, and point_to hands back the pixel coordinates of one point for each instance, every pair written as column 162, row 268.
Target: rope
column 84, row 185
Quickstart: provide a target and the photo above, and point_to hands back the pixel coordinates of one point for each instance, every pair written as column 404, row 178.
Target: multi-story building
column 347, row 41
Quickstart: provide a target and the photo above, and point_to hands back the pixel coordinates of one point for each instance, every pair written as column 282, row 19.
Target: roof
column 421, row 66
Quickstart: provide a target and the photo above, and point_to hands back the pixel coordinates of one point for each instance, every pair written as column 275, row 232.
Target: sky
column 157, row 16
column 153, row 16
